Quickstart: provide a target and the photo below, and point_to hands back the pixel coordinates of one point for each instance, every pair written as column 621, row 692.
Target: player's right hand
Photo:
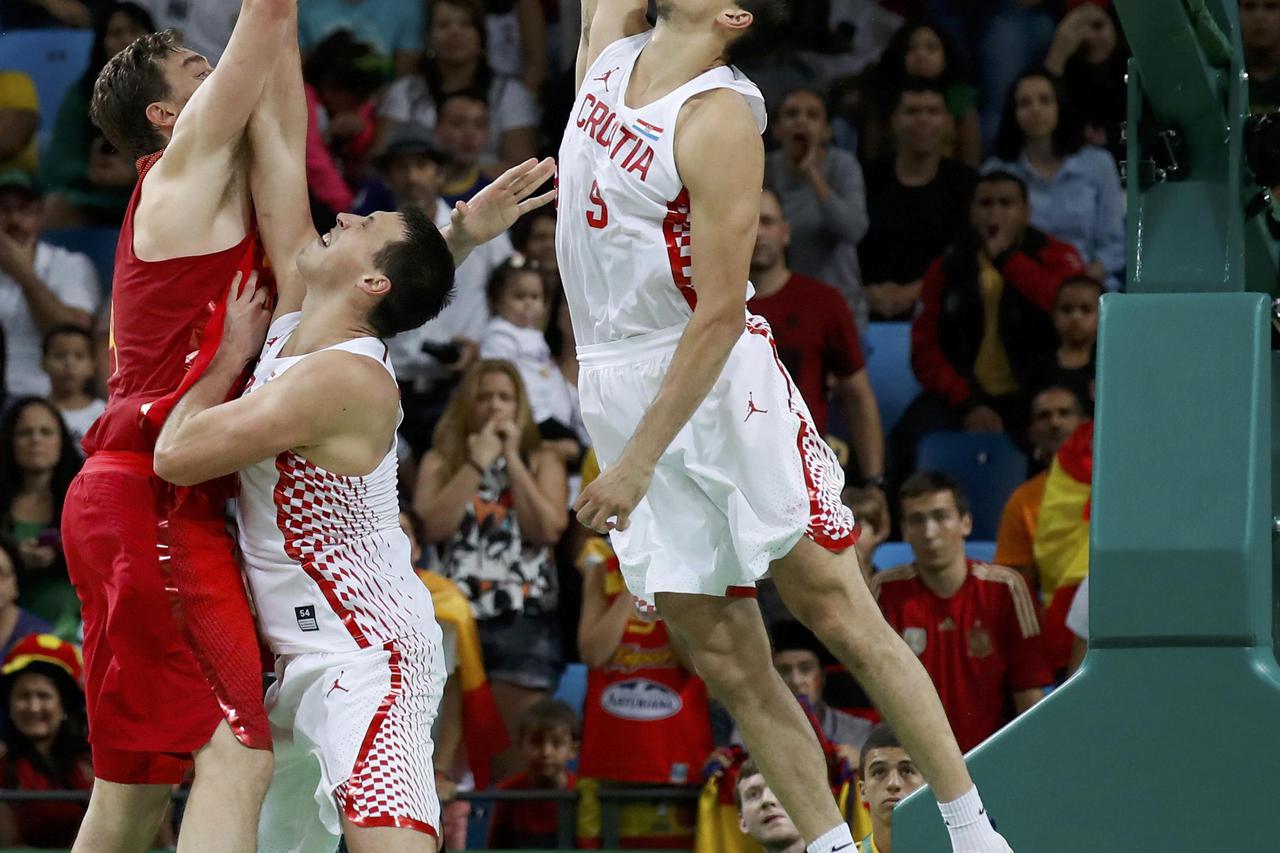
column 247, row 319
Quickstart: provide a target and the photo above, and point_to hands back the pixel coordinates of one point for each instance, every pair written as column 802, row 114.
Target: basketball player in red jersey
column 714, row 478
column 173, row 671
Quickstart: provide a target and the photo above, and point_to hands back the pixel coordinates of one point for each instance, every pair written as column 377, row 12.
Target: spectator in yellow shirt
column 19, row 120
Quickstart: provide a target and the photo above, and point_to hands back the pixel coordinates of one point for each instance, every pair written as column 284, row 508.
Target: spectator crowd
column 941, row 173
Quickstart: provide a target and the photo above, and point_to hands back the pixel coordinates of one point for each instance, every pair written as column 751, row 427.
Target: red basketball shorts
column 170, row 647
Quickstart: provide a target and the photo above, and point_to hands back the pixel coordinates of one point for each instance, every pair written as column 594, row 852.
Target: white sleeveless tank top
column 623, row 231
column 328, row 566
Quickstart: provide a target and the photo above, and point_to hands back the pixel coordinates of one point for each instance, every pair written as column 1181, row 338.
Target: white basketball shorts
column 745, row 478
column 352, row 734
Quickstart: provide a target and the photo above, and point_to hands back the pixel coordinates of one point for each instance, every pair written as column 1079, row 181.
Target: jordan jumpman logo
column 336, row 685
column 753, row 409
column 604, row 78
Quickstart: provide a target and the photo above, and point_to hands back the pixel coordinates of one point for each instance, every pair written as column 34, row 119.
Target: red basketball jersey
column 166, row 322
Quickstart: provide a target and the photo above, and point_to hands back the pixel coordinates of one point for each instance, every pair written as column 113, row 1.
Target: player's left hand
column 496, row 207
column 614, row 494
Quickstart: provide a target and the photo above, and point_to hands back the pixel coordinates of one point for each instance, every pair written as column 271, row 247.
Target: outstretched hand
column 496, row 207
column 613, row 495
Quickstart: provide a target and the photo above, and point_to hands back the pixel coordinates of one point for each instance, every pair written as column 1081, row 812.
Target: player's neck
column 946, row 581
column 768, row 282
column 671, row 58
column 326, row 321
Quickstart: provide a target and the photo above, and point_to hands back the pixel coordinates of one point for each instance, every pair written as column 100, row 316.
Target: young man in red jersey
column 974, row 626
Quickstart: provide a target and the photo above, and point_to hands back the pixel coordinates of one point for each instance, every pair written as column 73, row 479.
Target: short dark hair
column 748, row 769
column 549, row 714
column 420, row 267
column 507, row 270
column 469, row 94
column 131, row 81
column 1000, row 176
column 880, row 737
column 917, row 85
column 1057, row 386
column 1067, row 137
column 790, row 635
column 761, row 38
column 923, row 483
column 1081, row 280
column 65, row 329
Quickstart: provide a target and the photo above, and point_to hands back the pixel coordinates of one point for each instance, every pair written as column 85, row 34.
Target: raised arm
column 603, row 23
column 720, row 156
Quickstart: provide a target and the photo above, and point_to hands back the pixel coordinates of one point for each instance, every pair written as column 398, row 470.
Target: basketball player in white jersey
column 359, row 674
column 714, row 473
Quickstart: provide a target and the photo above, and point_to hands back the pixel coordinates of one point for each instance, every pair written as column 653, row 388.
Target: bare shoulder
column 718, row 125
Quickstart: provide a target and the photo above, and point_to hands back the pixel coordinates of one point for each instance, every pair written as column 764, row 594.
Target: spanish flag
column 483, row 732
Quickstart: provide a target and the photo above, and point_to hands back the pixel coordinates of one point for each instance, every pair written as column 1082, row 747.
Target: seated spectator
column 761, row 817
column 495, row 500
column 88, row 181
column 455, row 62
column 1075, row 361
column 822, row 195
column 463, row 136
column 984, row 320
column 516, row 33
column 37, row 464
column 1056, row 412
column 205, row 25
column 534, row 236
column 1074, row 190
column 816, row 340
column 19, row 121
column 15, row 623
column 517, row 299
column 548, row 737
column 69, row 363
column 633, row 661
column 974, row 626
column 45, row 745
column 48, row 14
column 800, row 659
column 393, row 28
column 342, row 75
column 871, row 508
column 428, row 360
column 886, row 775
column 917, row 201
column 921, row 50
column 1260, row 33
column 1090, row 55
column 42, row 286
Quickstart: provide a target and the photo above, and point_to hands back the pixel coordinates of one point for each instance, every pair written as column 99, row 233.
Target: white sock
column 970, row 828
column 834, row 840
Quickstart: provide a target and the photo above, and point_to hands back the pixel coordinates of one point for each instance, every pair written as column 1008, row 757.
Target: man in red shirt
column 816, row 340
column 974, row 626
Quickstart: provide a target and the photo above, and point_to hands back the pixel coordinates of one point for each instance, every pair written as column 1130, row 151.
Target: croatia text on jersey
column 627, row 146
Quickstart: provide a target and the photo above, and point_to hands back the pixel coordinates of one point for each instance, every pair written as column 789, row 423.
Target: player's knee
column 226, row 757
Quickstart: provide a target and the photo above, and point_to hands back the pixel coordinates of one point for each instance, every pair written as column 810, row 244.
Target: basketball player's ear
column 736, row 19
column 375, row 285
column 160, row 115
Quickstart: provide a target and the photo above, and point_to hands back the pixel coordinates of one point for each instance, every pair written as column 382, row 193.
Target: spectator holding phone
column 37, row 464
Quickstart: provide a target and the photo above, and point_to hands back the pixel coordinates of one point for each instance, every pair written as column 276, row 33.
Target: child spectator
column 1075, row 362
column 922, row 50
column 496, row 499
column 548, row 738
column 69, row 362
column 45, row 741
column 15, row 623
column 37, row 464
column 455, row 61
column 89, row 182
column 463, row 135
column 871, row 508
column 1074, row 189
column 517, row 298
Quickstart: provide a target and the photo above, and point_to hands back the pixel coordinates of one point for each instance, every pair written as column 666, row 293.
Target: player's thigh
column 386, row 839
column 725, row 635
column 826, row 590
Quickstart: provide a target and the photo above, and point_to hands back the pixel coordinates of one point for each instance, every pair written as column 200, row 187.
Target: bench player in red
column 173, row 672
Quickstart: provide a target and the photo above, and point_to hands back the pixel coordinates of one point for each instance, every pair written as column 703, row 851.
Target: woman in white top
column 456, row 61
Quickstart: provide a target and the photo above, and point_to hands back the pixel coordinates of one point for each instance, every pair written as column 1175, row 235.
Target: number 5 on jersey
column 598, row 213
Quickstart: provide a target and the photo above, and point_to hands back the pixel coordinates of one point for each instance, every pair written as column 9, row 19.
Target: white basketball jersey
column 328, row 566
column 623, row 231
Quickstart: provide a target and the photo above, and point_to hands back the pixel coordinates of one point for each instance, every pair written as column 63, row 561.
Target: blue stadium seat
column 983, row 551
column 891, row 554
column 887, row 347
column 988, row 465
column 97, row 242
column 572, row 689
column 54, row 59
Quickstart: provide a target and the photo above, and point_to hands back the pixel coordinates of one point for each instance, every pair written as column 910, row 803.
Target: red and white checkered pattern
column 679, row 237
column 393, row 782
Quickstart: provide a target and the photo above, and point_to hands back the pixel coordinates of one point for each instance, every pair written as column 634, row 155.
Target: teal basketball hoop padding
column 1168, row 739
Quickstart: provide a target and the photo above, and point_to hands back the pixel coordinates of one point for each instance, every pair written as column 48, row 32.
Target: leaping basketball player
column 714, row 473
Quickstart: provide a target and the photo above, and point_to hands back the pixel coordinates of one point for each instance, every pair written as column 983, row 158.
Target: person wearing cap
column 45, row 745
column 429, row 360
column 42, row 286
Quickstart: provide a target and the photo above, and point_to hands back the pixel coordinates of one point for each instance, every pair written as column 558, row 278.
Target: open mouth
column 326, row 239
